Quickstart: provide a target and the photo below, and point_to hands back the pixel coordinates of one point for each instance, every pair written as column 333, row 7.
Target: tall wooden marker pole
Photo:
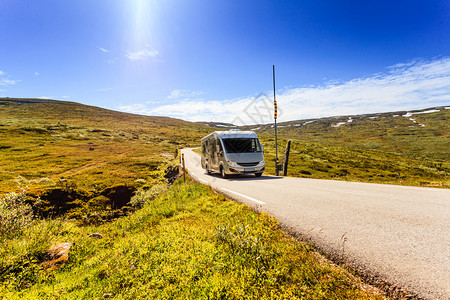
column 275, row 117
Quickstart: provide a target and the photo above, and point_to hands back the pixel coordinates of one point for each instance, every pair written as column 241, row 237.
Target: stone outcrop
column 56, row 255
column 172, row 174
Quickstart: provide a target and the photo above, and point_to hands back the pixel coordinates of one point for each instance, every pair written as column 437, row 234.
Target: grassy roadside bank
column 188, row 243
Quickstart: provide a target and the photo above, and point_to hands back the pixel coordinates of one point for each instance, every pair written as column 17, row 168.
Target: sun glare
column 141, row 15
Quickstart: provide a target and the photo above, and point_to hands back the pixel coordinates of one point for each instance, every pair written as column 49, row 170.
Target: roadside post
column 285, row 160
column 275, row 118
column 184, row 168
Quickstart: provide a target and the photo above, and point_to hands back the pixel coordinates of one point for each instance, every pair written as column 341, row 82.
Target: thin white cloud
column 6, row 82
column 36, row 74
column 143, row 54
column 194, row 110
column 110, row 60
column 104, row 90
column 183, row 94
column 134, row 108
column 152, row 102
column 237, row 111
column 175, row 94
column 418, row 84
column 413, row 85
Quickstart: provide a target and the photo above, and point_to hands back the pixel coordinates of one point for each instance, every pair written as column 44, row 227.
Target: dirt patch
column 76, row 203
column 119, row 196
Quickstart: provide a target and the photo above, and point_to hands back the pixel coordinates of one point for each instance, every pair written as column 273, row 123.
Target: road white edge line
column 202, row 181
column 246, row 197
column 197, row 178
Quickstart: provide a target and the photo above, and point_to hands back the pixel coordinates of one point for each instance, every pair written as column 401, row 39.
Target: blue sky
column 207, row 60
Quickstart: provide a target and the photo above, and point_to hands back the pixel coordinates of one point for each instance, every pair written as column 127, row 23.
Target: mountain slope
column 76, row 158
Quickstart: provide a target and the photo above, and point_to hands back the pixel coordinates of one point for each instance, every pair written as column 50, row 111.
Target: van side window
column 218, row 146
column 212, row 150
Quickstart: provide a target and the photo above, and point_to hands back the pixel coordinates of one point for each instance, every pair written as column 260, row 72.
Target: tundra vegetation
column 93, row 180
column 396, row 148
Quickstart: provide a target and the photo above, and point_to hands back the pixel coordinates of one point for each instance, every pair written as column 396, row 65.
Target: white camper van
column 232, row 152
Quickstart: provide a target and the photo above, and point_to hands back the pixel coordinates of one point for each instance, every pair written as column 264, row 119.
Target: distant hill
column 419, row 134
column 49, row 111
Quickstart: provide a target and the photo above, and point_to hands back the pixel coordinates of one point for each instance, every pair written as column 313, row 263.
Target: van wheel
column 207, row 170
column 222, row 172
column 258, row 174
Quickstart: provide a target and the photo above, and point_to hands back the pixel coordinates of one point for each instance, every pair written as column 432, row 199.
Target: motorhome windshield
column 241, row 145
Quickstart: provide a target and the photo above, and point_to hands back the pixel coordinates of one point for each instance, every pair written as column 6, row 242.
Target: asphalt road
column 398, row 234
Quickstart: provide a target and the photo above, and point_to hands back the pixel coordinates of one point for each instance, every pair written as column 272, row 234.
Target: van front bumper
column 246, row 170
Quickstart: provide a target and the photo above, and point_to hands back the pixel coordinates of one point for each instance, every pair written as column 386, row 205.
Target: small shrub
column 21, row 273
column 140, row 181
column 340, row 172
column 43, row 180
column 144, row 196
column 305, row 172
column 15, row 214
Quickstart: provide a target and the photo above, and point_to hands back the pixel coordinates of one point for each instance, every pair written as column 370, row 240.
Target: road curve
column 398, row 234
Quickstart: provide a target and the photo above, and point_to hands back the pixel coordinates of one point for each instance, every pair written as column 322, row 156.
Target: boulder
column 96, row 235
column 56, row 255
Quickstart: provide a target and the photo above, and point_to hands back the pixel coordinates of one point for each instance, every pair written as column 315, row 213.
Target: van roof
column 232, row 134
